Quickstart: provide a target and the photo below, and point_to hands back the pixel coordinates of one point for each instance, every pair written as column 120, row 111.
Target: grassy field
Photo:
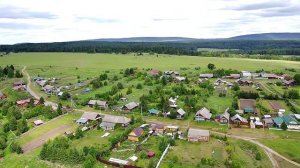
column 66, row 119
column 91, row 64
column 287, row 147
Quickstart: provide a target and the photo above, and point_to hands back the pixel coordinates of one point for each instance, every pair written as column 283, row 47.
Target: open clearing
column 45, row 137
column 51, row 125
column 89, row 65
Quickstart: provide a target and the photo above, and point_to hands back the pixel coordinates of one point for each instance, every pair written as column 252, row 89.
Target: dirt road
column 33, row 94
column 45, row 137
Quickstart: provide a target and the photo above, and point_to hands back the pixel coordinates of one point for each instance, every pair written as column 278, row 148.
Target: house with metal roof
column 154, row 111
column 290, row 121
column 203, row 114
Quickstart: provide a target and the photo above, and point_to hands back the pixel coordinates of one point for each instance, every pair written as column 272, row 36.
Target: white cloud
column 66, row 20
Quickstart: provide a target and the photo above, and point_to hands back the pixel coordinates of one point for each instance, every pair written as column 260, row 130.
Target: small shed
column 38, row 122
column 150, row 154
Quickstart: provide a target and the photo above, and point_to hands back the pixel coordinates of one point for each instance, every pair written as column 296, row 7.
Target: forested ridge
column 277, row 47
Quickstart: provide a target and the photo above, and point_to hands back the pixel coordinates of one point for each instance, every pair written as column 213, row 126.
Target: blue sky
column 65, row 20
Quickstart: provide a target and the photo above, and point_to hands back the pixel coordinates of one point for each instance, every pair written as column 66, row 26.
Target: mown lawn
column 52, row 124
column 190, row 154
column 287, row 147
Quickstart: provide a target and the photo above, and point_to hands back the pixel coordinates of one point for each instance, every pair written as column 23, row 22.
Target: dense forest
column 264, row 47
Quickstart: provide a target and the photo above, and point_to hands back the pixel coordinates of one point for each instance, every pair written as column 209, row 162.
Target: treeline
column 264, row 47
column 10, row 72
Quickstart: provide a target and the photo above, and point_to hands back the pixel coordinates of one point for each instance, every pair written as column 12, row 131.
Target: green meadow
column 91, row 64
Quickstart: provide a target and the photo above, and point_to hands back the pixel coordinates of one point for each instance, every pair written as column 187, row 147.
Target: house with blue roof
column 290, row 121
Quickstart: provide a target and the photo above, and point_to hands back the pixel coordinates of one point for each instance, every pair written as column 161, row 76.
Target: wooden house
column 135, row 134
column 198, row 135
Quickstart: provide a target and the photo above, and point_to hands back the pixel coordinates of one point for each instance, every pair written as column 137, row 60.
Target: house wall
column 198, row 139
column 133, row 138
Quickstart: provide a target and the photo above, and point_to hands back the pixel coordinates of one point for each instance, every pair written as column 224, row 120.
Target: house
column 154, row 111
column 234, row 76
column 223, row 118
column 19, row 83
column 244, row 82
column 172, row 102
column 269, row 76
column 42, row 83
column 23, row 103
column 219, row 82
column 203, row 114
column 290, row 121
column 101, row 104
column 48, row 89
column 237, row 119
column 268, row 122
column 171, row 73
column 2, row 96
column 206, row 75
column 171, row 128
column 245, row 75
column 130, row 106
column 202, row 80
column 135, row 134
column 88, row 116
column 158, row 128
column 179, row 79
column 248, row 105
column 297, row 116
column 155, row 72
column 109, row 122
column 255, row 122
column 180, row 113
column 38, row 122
column 289, row 82
column 19, row 88
column 198, row 135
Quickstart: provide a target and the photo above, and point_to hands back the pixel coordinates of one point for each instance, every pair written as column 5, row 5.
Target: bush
column 139, row 86
column 258, row 156
column 14, row 147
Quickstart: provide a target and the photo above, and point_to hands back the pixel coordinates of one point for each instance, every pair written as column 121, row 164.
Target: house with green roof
column 290, row 121
column 154, row 111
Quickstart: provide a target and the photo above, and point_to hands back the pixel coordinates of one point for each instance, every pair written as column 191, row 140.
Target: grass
column 52, row 124
column 287, row 147
column 150, row 144
column 64, row 64
column 190, row 154
column 244, row 153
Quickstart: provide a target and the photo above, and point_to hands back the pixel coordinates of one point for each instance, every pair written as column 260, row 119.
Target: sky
column 68, row 20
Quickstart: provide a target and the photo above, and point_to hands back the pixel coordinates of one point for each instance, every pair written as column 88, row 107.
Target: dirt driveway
column 45, row 137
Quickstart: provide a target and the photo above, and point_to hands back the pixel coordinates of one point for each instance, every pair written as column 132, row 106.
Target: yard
column 52, row 124
column 287, row 147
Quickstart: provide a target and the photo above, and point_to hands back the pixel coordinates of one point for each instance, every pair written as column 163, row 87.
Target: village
column 136, row 127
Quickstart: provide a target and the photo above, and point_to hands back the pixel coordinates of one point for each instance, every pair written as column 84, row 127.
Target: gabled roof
column 153, row 111
column 289, row 120
column 138, row 131
column 99, row 102
column 157, row 126
column 116, row 119
column 238, row 117
column 91, row 115
column 197, row 132
column 48, row 87
column 206, row 75
column 225, row 114
column 131, row 105
column 204, row 112
column 181, row 111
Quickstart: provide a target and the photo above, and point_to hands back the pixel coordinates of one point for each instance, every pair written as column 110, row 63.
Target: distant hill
column 147, row 39
column 268, row 36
